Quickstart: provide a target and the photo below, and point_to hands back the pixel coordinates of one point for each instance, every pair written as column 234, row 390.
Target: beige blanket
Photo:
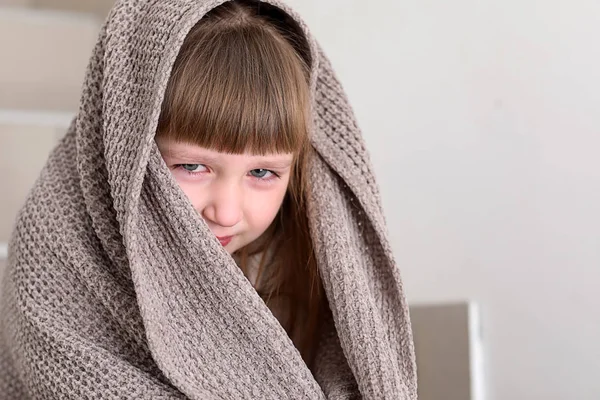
column 115, row 287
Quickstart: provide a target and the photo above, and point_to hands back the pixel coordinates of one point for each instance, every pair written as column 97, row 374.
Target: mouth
column 224, row 240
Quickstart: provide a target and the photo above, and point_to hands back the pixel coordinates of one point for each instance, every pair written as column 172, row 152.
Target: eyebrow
column 187, row 155
column 275, row 164
column 191, row 156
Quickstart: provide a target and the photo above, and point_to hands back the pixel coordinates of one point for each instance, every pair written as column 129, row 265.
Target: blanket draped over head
column 115, row 287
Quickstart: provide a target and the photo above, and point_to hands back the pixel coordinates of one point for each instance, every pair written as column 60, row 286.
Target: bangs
column 242, row 88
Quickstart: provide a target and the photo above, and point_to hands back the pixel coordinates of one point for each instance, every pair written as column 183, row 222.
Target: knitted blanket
column 115, row 287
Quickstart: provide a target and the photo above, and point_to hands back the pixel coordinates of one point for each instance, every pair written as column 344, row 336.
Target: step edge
column 58, row 119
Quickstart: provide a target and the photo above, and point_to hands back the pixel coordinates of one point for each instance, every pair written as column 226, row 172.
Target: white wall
column 97, row 7
column 483, row 119
column 484, row 126
column 43, row 56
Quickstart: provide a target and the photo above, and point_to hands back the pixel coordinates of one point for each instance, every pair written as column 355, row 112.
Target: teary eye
column 260, row 173
column 193, row 167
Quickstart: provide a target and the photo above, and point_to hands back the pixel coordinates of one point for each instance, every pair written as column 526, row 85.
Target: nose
column 224, row 207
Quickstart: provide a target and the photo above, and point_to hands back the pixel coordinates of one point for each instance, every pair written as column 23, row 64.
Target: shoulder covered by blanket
column 115, row 287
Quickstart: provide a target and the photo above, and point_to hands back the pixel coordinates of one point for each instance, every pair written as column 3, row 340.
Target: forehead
column 193, row 153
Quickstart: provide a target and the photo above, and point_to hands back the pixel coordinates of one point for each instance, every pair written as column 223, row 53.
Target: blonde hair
column 241, row 84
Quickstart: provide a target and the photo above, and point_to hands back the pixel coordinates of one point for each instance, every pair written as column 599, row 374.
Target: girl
column 209, row 227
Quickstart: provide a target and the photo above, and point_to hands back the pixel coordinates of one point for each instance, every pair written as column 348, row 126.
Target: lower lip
column 225, row 241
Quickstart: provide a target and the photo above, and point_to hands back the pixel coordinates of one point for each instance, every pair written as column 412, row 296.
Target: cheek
column 195, row 196
column 262, row 209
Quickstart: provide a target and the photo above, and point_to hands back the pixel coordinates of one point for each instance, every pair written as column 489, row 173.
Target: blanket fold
column 116, row 288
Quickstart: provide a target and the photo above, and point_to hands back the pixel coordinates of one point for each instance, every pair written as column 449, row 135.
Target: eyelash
column 274, row 175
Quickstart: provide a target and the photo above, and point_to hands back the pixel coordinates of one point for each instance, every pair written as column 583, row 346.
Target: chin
column 232, row 247
column 231, row 251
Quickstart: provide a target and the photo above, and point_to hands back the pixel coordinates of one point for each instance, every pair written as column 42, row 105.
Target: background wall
column 483, row 124
column 484, row 127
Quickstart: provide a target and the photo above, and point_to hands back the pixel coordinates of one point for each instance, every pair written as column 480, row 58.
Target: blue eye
column 193, row 167
column 260, row 173
column 263, row 174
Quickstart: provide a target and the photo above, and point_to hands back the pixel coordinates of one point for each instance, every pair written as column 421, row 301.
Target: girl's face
column 238, row 195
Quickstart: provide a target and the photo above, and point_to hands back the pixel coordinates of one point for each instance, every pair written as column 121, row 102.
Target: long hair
column 241, row 84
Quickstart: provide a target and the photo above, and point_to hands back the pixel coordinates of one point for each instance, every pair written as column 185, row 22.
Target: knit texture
column 115, row 288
